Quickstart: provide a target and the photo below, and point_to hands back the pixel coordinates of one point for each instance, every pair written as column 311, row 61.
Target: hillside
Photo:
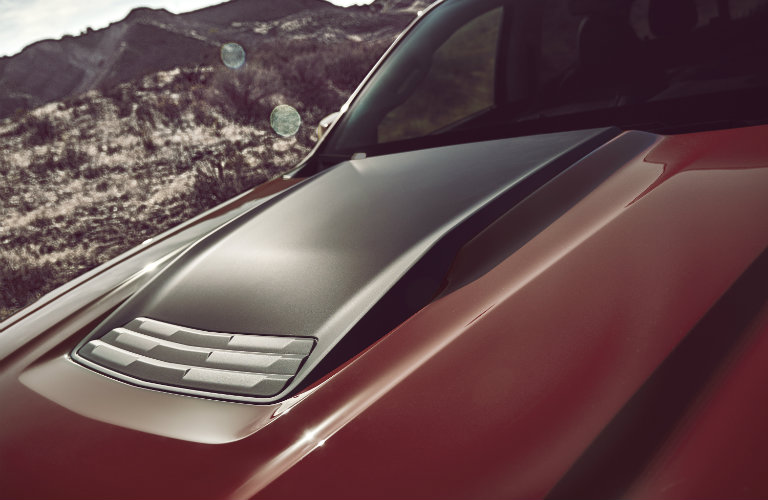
column 153, row 133
column 151, row 40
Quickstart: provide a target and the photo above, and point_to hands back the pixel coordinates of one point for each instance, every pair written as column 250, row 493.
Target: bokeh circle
column 232, row 55
column 285, row 120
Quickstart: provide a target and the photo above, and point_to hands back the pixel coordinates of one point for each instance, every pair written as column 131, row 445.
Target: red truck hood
column 616, row 353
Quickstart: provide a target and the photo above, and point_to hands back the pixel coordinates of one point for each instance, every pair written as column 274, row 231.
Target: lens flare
column 232, row 55
column 285, row 120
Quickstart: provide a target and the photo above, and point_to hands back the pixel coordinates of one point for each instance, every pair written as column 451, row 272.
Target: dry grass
column 86, row 179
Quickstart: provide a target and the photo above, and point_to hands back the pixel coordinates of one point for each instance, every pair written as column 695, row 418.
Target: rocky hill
column 116, row 135
column 151, row 40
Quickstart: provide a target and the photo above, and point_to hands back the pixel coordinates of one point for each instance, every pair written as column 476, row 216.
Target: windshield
column 472, row 70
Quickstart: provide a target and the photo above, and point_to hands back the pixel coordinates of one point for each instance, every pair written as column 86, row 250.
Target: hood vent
column 160, row 355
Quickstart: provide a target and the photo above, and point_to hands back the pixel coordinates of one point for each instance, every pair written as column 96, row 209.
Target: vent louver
column 160, row 355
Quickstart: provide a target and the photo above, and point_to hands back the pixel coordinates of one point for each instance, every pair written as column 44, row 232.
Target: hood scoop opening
column 174, row 358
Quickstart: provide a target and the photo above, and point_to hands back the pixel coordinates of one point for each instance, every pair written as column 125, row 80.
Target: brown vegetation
column 85, row 179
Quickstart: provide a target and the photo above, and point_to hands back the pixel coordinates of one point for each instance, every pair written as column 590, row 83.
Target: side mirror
column 326, row 123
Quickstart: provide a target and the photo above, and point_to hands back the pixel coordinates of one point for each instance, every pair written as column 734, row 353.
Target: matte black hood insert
column 312, row 262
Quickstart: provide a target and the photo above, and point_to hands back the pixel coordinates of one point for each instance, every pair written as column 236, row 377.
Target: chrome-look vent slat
column 180, row 375
column 189, row 336
column 164, row 350
column 149, row 352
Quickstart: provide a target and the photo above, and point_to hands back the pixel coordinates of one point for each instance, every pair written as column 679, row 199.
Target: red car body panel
column 515, row 380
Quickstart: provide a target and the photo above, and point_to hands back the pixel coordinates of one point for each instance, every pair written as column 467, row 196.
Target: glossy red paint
column 572, row 326
column 718, row 450
column 500, row 388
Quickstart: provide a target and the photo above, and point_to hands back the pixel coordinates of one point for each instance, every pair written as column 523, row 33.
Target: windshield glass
column 474, row 70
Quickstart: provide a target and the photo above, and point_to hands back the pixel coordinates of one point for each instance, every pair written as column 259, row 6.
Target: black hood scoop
column 312, row 262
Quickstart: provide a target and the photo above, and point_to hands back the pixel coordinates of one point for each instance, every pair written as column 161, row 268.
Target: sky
column 26, row 21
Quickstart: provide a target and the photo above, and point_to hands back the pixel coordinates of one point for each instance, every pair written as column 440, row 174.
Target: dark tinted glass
column 458, row 83
column 472, row 70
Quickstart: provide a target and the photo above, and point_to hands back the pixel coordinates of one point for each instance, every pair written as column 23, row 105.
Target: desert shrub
column 220, row 177
column 144, row 116
column 316, row 77
column 40, row 130
column 113, row 148
column 203, row 114
column 78, row 101
column 348, row 63
column 243, row 95
column 6, row 190
column 150, row 82
column 90, row 172
column 95, row 109
column 27, row 204
column 83, row 105
column 42, row 165
column 169, row 111
column 306, row 72
column 122, row 99
column 40, row 222
column 306, row 80
column 102, row 185
column 72, row 157
column 149, row 144
column 23, row 177
column 5, row 166
column 86, row 133
column 189, row 77
column 24, row 282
